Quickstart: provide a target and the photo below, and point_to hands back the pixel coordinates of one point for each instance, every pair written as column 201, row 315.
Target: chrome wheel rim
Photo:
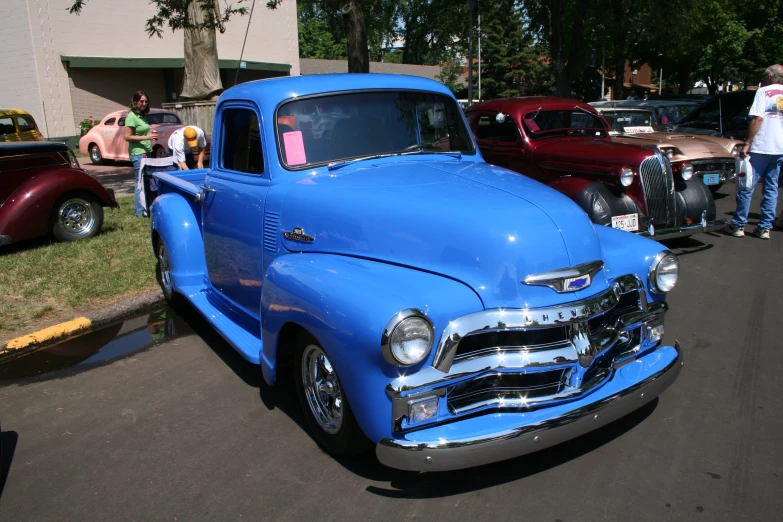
column 77, row 216
column 165, row 269
column 95, row 153
column 322, row 389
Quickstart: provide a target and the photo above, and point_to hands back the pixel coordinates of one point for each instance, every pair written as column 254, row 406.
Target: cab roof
column 525, row 104
column 269, row 93
column 9, row 112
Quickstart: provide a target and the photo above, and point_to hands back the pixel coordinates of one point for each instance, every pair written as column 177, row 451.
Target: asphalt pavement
column 166, row 422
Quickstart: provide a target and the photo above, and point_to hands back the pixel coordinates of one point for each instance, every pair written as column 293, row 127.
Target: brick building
column 63, row 68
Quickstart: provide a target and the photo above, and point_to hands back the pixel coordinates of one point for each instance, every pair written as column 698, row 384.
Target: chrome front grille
column 724, row 167
column 517, row 360
column 658, row 185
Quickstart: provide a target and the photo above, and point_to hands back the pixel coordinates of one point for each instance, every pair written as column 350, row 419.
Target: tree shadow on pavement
column 8, row 440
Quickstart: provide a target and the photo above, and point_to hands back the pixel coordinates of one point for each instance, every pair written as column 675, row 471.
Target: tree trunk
column 619, row 79
column 356, row 34
column 202, row 71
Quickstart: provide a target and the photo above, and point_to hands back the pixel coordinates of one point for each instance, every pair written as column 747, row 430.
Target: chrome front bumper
column 500, row 436
column 688, row 230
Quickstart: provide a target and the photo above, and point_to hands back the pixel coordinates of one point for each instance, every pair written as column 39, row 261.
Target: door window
column 7, row 126
column 110, row 121
column 487, row 127
column 241, row 148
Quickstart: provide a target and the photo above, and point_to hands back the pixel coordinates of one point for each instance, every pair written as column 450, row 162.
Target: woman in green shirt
column 139, row 141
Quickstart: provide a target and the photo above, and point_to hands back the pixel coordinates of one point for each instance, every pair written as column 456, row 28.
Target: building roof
column 313, row 66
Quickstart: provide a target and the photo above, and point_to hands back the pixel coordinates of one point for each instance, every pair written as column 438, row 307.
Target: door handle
column 201, row 196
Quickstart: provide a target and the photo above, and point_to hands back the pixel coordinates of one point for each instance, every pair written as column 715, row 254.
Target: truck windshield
column 327, row 129
column 545, row 124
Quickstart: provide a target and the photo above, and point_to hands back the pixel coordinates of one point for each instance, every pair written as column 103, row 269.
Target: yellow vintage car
column 18, row 125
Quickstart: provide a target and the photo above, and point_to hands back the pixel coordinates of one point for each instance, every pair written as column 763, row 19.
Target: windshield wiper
column 453, row 153
column 339, row 164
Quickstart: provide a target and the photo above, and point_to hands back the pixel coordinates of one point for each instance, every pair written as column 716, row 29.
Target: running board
column 245, row 342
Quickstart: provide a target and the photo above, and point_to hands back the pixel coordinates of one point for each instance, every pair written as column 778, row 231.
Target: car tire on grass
column 95, row 154
column 77, row 215
column 324, row 402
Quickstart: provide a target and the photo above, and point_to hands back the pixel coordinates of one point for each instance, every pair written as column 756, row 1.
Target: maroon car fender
column 27, row 211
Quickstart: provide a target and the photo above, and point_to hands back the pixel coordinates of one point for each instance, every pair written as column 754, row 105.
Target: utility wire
column 241, row 54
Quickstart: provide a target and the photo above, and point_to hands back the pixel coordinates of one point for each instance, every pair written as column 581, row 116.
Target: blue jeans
column 136, row 160
column 766, row 169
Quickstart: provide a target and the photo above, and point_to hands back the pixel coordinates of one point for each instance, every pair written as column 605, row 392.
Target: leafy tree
column 449, row 75
column 317, row 37
column 433, row 31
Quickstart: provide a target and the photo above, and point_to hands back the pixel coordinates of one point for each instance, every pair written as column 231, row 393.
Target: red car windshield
column 545, row 124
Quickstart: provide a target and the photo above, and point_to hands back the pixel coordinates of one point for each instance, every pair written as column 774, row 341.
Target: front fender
column 174, row 220
column 27, row 212
column 345, row 303
column 625, row 253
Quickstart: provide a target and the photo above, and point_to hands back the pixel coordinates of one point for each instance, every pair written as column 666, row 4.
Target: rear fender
column 174, row 220
column 346, row 303
column 27, row 212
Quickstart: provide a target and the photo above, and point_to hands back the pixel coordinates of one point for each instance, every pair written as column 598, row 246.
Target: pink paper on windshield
column 531, row 123
column 294, row 148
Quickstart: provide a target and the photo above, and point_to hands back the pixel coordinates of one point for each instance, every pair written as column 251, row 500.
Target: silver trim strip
column 607, row 405
column 500, row 319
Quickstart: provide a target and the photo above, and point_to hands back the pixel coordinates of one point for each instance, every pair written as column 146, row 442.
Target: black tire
column 75, row 216
column 159, row 152
column 96, row 157
column 344, row 438
column 602, row 201
column 697, row 198
column 163, row 274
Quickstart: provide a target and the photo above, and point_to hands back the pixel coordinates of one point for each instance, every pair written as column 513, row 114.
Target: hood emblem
column 298, row 235
column 568, row 279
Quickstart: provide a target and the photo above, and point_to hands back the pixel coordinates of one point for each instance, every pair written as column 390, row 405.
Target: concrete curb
column 96, row 320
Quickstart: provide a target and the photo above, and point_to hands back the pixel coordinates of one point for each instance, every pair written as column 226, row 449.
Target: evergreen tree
column 512, row 64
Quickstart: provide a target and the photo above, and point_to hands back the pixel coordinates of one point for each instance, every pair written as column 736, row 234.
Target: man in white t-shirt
column 181, row 145
column 765, row 148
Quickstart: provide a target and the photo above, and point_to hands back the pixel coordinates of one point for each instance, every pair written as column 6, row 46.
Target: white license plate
column 712, row 179
column 629, row 222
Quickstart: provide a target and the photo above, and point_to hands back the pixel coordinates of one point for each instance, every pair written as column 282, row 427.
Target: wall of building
column 115, row 28
column 97, row 92
column 18, row 81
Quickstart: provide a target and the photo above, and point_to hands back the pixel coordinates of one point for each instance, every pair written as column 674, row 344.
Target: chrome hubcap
column 95, row 154
column 77, row 216
column 165, row 269
column 322, row 389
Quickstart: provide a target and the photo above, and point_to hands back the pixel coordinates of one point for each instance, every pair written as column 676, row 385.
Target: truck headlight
column 626, row 177
column 664, row 272
column 687, row 171
column 407, row 338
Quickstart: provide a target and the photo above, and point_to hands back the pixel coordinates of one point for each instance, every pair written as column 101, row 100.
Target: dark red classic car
column 43, row 191
column 566, row 145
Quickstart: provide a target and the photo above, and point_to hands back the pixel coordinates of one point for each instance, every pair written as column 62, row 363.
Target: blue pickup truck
column 349, row 236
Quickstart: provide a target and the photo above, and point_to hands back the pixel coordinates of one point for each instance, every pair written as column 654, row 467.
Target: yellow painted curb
column 46, row 335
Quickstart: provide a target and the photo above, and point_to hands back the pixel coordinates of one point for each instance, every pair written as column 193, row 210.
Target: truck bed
column 186, row 182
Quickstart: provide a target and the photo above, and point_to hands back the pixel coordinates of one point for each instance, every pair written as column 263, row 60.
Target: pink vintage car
column 105, row 141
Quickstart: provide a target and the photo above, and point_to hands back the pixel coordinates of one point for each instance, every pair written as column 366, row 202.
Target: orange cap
column 191, row 137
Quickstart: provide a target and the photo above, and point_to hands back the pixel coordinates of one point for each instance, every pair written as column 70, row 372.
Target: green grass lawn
column 43, row 279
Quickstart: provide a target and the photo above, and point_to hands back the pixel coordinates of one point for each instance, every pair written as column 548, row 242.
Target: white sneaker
column 737, row 231
column 761, row 233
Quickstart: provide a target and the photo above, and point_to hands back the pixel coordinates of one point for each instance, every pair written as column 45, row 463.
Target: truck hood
column 692, row 146
column 580, row 153
column 484, row 226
